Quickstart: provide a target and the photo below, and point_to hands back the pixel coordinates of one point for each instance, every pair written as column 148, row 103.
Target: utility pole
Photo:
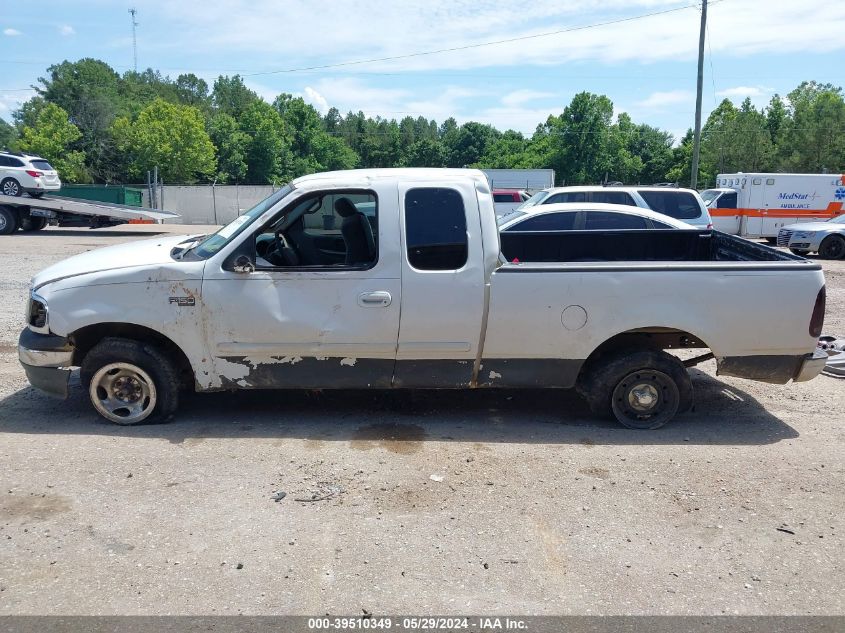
column 132, row 12
column 696, row 142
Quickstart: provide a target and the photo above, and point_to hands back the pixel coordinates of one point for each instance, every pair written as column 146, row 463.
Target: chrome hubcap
column 123, row 393
column 10, row 189
column 642, row 397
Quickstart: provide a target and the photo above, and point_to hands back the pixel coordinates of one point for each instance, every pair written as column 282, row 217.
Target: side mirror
column 243, row 264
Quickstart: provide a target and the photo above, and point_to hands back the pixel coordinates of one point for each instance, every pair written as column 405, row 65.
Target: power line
column 479, row 45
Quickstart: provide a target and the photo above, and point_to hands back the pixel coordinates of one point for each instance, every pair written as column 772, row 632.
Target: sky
column 510, row 63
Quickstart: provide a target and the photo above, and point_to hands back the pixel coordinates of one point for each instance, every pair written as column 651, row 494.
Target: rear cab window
column 435, row 229
column 680, row 205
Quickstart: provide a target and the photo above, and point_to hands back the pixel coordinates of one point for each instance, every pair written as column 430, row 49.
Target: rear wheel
column 31, row 223
column 36, row 194
column 8, row 221
column 832, row 247
column 799, row 251
column 642, row 390
column 130, row 382
column 10, row 187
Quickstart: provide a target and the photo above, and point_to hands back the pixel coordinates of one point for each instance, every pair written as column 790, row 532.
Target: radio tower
column 132, row 12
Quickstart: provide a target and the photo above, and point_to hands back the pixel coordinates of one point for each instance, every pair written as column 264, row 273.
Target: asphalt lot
column 481, row 502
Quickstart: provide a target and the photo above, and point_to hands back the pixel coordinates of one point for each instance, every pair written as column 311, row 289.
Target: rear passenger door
column 442, row 284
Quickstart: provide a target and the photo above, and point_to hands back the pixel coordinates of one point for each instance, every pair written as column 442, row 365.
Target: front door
column 321, row 308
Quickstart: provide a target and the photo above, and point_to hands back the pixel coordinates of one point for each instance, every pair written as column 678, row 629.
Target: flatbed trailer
column 33, row 214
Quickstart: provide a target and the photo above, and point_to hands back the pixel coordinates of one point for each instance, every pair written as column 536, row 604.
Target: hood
column 142, row 253
column 815, row 226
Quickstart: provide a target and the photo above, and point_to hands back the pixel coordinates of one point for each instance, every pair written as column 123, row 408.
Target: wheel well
column 87, row 337
column 649, row 338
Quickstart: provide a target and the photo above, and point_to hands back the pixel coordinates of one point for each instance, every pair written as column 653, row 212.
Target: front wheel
column 10, row 187
column 642, row 390
column 8, row 221
column 130, row 382
column 832, row 247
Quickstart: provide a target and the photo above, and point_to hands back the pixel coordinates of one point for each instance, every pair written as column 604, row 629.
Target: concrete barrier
column 209, row 204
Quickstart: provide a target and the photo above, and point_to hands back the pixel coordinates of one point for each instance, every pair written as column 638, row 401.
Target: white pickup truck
column 400, row 279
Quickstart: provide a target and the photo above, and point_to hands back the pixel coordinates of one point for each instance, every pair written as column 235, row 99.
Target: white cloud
column 346, row 94
column 316, row 99
column 387, row 28
column 745, row 91
column 659, row 100
column 11, row 32
column 67, row 30
column 519, row 97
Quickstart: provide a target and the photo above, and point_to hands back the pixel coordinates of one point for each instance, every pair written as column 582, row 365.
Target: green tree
column 426, row 152
column 169, row 136
column 89, row 90
column 815, row 136
column 576, row 144
column 232, row 146
column 231, row 96
column 8, row 135
column 268, row 151
column 51, row 137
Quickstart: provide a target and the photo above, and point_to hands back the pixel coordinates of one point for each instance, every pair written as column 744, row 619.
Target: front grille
column 783, row 237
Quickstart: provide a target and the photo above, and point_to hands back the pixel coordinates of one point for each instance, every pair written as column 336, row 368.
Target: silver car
column 825, row 238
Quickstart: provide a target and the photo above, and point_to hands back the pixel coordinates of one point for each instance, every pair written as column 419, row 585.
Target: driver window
column 328, row 229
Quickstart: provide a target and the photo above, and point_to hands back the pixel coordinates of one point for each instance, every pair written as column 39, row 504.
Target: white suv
column 25, row 172
column 682, row 204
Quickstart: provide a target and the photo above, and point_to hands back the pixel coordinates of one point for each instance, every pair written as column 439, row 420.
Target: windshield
column 839, row 219
column 214, row 242
column 508, row 216
column 536, row 199
column 709, row 195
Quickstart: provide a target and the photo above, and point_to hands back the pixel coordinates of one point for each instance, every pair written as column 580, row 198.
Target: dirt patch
column 405, row 439
column 592, row 471
column 36, row 508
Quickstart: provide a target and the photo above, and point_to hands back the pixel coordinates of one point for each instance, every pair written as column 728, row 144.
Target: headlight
column 803, row 235
column 36, row 314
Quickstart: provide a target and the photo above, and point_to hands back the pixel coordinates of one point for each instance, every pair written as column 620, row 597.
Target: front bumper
column 46, row 359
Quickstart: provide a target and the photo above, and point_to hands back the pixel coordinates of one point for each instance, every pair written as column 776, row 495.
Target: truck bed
column 636, row 246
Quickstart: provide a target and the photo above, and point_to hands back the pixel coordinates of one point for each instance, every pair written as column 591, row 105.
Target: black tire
column 36, row 194
column 610, row 384
column 11, row 187
column 31, row 223
column 144, row 356
column 8, row 221
column 832, row 247
column 799, row 251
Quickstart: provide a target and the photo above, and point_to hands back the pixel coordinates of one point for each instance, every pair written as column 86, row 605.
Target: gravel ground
column 483, row 502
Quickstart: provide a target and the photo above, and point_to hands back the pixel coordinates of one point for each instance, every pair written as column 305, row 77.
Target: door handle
column 377, row 299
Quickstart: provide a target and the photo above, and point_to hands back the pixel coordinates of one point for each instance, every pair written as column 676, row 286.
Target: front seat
column 357, row 233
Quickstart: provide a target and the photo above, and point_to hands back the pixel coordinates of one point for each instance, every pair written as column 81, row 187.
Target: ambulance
column 758, row 205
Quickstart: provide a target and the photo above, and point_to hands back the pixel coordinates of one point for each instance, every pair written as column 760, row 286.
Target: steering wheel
column 276, row 249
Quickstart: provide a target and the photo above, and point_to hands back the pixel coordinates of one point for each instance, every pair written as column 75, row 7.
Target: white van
column 760, row 204
column 682, row 204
